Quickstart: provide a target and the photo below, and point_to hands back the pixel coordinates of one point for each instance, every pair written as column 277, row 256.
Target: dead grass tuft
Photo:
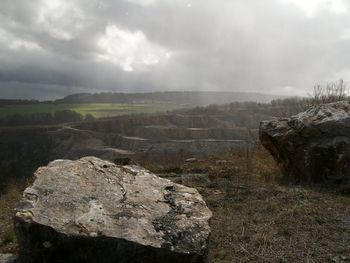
column 8, row 199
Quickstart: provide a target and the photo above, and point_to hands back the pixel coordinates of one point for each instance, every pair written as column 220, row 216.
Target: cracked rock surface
column 92, row 210
column 313, row 146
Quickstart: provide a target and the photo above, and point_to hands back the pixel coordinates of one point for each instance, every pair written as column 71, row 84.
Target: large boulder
column 92, row 210
column 313, row 146
column 8, row 258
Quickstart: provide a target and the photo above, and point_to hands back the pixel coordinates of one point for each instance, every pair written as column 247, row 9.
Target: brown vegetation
column 8, row 200
column 330, row 92
column 255, row 218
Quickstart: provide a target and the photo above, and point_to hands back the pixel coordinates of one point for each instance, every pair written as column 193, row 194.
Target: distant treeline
column 186, row 98
column 250, row 114
column 17, row 102
column 44, row 118
column 192, row 98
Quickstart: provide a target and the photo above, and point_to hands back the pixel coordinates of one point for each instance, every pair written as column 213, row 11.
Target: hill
column 192, row 98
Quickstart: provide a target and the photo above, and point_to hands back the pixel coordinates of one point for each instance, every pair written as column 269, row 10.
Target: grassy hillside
column 98, row 110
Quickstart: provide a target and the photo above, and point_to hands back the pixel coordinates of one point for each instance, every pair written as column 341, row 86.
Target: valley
column 174, row 135
column 214, row 149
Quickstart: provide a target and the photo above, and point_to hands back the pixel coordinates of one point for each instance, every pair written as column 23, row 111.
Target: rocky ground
column 256, row 219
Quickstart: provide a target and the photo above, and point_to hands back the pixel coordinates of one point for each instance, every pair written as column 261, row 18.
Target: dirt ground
column 255, row 219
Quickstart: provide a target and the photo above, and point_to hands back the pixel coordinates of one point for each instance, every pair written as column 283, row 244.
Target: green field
column 98, row 110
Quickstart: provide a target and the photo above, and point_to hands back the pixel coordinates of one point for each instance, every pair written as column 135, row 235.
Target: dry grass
column 8, row 200
column 277, row 224
column 257, row 220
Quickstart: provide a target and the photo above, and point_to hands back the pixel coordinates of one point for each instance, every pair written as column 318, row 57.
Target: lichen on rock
column 313, row 146
column 92, row 210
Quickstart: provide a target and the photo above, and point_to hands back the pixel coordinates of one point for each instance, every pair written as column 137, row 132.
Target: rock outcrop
column 8, row 258
column 91, row 210
column 313, row 146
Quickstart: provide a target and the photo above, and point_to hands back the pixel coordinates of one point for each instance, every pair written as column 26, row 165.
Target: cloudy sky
column 51, row 48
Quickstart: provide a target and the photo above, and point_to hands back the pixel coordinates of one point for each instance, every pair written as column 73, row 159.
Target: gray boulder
column 313, row 146
column 8, row 258
column 91, row 210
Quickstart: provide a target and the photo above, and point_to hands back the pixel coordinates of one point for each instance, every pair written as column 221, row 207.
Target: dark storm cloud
column 57, row 47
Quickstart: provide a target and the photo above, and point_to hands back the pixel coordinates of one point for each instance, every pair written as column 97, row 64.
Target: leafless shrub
column 331, row 92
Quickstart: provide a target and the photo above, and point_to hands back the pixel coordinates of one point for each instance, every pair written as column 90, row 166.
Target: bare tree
column 331, row 92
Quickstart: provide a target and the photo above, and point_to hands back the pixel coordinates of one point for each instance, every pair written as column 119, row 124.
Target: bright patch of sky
column 312, row 7
column 15, row 43
column 143, row 2
column 61, row 19
column 129, row 50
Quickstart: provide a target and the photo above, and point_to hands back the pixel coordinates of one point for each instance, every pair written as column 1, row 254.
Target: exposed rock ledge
column 91, row 210
column 313, row 146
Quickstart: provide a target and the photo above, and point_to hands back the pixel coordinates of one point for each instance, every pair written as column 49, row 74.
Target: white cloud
column 147, row 3
column 61, row 19
column 176, row 44
column 312, row 7
column 143, row 2
column 128, row 49
column 23, row 44
column 342, row 74
column 345, row 35
column 15, row 43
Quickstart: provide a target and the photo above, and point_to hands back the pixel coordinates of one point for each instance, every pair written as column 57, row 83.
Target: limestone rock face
column 91, row 210
column 313, row 146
